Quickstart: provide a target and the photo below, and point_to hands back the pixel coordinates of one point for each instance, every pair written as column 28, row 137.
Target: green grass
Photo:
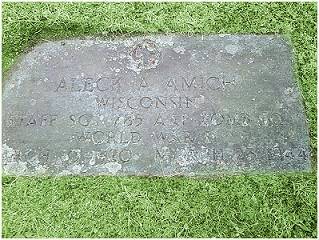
column 273, row 205
column 250, row 206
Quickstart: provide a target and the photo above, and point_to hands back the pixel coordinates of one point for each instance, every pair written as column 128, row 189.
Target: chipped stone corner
column 9, row 164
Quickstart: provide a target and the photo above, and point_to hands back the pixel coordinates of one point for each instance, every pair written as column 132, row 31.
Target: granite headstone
column 154, row 105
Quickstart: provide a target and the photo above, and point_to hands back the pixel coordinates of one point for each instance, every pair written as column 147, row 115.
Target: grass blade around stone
column 281, row 205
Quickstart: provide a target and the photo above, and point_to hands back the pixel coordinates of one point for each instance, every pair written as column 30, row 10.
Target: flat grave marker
column 154, row 105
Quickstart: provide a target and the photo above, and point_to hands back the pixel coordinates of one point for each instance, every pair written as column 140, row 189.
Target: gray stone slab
column 154, row 105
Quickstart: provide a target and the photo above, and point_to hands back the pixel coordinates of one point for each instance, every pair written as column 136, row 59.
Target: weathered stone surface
column 154, row 105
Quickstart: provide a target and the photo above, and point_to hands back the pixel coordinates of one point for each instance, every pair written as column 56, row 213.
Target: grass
column 271, row 205
column 250, row 206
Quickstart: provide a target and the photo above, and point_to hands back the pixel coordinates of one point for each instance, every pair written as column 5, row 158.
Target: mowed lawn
column 268, row 205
